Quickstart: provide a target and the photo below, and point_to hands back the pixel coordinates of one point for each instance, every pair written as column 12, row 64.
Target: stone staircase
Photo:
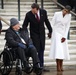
column 11, row 10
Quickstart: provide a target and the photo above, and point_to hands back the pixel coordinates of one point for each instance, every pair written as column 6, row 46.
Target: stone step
column 47, row 47
column 64, row 63
column 22, row 14
column 50, row 16
column 15, row 16
column 48, row 41
column 71, row 46
column 73, row 23
column 10, row 14
column 27, row 3
column 29, row 7
column 72, row 37
column 71, row 51
column 25, row 10
column 26, row 6
column 47, row 58
column 72, row 31
column 50, row 60
column 5, row 26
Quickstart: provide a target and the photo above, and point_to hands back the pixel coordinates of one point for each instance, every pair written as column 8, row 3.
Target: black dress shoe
column 46, row 69
column 38, row 70
column 18, row 71
column 28, row 70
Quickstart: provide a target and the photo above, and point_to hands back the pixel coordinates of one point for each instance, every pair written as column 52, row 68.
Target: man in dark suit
column 63, row 2
column 75, row 7
column 0, row 26
column 18, row 38
column 72, row 3
column 36, row 17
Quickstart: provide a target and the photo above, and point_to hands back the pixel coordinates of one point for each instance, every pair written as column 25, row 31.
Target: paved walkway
column 71, row 70
column 67, row 72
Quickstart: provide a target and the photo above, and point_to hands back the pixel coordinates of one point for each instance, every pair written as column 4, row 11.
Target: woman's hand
column 63, row 40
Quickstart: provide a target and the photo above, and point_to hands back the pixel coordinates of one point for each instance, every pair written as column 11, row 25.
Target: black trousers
column 29, row 52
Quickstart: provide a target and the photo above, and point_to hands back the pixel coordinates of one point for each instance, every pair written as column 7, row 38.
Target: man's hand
column 63, row 40
column 31, row 46
column 49, row 35
column 22, row 45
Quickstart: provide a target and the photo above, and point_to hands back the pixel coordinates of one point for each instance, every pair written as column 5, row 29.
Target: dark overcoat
column 63, row 2
column 13, row 39
column 37, row 29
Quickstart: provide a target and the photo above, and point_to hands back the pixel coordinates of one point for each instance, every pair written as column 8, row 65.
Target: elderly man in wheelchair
column 18, row 39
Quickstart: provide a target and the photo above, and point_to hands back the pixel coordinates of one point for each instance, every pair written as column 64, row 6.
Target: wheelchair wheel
column 6, row 62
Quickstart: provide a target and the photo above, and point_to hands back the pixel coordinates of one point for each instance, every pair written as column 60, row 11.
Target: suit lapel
column 33, row 17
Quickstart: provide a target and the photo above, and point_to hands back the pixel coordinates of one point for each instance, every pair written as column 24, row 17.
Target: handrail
column 63, row 7
column 2, row 19
column 5, row 21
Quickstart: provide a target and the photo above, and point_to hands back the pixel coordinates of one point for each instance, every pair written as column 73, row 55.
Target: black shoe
column 18, row 71
column 45, row 69
column 28, row 70
column 38, row 70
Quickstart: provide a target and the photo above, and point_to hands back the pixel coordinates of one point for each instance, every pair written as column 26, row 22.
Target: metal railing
column 63, row 7
column 2, row 4
column 53, row 1
column 4, row 22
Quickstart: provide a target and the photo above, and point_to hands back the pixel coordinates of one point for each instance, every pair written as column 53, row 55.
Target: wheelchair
column 8, row 59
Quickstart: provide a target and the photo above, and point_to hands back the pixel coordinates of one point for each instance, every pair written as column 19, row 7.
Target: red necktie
column 37, row 17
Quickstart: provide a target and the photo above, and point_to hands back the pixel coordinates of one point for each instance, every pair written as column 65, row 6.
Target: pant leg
column 21, row 53
column 32, row 52
column 41, row 57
